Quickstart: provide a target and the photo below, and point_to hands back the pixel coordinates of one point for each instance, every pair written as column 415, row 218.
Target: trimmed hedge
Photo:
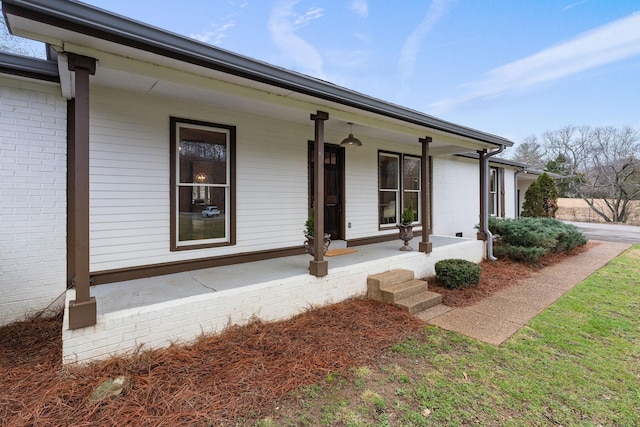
column 529, row 239
column 457, row 273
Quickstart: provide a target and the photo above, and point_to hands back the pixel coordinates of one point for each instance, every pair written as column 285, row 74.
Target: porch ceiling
column 142, row 71
column 288, row 107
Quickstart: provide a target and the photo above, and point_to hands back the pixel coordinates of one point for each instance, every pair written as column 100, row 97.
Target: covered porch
column 176, row 308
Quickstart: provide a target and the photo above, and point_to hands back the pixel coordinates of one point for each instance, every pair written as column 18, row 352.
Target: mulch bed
column 215, row 381
column 498, row 275
column 220, row 379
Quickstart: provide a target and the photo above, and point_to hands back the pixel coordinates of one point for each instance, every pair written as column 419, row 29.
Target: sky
column 513, row 68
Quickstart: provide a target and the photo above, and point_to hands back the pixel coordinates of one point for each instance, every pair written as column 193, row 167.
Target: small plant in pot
column 406, row 228
column 309, row 233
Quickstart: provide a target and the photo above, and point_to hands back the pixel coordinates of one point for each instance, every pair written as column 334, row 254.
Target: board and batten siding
column 33, row 199
column 129, row 180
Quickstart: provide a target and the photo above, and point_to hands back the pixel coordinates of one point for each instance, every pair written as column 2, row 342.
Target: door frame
column 340, row 151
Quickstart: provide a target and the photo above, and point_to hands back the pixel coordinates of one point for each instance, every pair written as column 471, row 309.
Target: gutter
column 485, row 196
column 28, row 67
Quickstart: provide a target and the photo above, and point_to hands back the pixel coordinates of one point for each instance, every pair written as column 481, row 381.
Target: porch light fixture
column 351, row 141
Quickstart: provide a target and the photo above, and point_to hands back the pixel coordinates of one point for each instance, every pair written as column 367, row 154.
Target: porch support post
column 318, row 266
column 82, row 310
column 481, row 235
column 425, row 184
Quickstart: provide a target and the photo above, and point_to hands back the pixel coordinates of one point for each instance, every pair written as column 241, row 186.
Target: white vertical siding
column 32, row 198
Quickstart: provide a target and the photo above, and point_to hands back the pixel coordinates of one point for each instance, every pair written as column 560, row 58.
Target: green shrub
column 533, row 205
column 520, row 253
column 457, row 273
column 529, row 239
column 541, row 198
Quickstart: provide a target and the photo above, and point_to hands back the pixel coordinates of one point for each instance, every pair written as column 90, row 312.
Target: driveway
column 621, row 233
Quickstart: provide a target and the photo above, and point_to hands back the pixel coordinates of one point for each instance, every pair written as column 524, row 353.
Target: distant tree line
column 595, row 163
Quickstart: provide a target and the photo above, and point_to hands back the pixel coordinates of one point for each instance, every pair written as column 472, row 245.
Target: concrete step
column 421, row 302
column 378, row 281
column 400, row 291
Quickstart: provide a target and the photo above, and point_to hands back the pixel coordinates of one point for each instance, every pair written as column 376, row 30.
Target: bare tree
column 614, row 172
column 19, row 45
column 601, row 165
column 568, row 149
column 530, row 152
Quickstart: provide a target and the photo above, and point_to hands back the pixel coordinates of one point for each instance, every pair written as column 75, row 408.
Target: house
column 147, row 175
column 508, row 182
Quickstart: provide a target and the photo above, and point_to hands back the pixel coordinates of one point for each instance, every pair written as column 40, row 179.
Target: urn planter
column 309, row 244
column 406, row 234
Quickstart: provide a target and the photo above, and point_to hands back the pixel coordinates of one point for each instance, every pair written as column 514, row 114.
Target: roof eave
column 31, row 68
column 96, row 22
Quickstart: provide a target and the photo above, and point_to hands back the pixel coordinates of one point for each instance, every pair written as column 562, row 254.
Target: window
column 496, row 192
column 411, row 167
column 202, row 173
column 389, row 187
column 399, row 185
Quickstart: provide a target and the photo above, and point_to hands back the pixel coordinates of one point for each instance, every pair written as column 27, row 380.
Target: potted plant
column 309, row 233
column 406, row 228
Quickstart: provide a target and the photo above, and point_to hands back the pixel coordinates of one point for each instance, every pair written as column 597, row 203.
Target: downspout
column 485, row 196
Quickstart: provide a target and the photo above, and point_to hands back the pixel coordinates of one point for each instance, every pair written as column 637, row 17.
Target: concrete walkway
column 502, row 314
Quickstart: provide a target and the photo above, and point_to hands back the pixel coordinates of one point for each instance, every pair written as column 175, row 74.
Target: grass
column 576, row 364
column 354, row 363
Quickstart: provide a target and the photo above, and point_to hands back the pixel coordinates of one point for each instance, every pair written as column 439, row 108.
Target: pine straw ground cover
column 496, row 276
column 215, row 381
column 220, row 379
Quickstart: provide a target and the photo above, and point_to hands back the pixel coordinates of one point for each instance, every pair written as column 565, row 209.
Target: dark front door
column 333, row 189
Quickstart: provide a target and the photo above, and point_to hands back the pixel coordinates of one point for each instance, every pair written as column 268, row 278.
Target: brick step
column 382, row 280
column 404, row 290
column 418, row 303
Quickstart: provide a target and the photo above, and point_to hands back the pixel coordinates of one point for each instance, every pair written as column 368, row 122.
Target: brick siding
column 33, row 199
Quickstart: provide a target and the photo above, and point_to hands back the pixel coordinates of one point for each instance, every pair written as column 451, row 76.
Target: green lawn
column 576, row 364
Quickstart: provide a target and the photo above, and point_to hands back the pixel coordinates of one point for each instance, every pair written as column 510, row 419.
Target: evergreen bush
column 529, row 239
column 549, row 192
column 457, row 273
column 533, row 205
column 520, row 253
column 541, row 198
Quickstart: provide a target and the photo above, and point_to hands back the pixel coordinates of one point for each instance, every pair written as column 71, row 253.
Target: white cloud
column 572, row 5
column 310, row 15
column 604, row 45
column 213, row 36
column 407, row 62
column 359, row 7
column 283, row 23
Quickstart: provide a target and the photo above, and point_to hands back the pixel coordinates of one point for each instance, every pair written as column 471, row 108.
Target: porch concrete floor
column 118, row 296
